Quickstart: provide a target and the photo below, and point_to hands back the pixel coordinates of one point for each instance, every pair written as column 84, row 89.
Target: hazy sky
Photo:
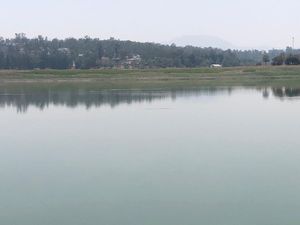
column 244, row 23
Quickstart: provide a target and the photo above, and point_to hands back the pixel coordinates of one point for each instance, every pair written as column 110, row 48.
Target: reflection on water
column 285, row 92
column 23, row 98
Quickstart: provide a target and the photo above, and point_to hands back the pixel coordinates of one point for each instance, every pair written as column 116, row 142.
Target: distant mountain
column 202, row 41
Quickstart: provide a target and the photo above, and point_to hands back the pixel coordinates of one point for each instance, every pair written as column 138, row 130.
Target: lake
column 212, row 156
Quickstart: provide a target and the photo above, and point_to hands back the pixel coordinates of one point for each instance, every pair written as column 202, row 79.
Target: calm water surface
column 182, row 157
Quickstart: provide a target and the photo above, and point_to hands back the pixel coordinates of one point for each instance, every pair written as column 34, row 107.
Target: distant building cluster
column 130, row 62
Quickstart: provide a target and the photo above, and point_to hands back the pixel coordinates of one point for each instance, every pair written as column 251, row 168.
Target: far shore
column 157, row 78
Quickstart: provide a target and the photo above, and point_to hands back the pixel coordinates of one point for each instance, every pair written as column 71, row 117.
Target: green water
column 181, row 157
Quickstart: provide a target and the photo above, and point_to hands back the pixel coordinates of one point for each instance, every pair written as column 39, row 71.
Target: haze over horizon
column 244, row 24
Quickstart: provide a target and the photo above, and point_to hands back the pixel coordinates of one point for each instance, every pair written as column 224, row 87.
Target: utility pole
column 293, row 43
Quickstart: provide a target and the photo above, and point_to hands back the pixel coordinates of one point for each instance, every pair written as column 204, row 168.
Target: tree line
column 21, row 52
column 288, row 57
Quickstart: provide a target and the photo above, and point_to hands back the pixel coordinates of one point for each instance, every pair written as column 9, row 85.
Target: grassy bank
column 157, row 78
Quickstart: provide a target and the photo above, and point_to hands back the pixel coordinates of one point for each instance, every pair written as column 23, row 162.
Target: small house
column 216, row 66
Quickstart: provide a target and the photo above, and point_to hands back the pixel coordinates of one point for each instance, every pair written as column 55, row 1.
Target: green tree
column 278, row 60
column 266, row 58
column 292, row 60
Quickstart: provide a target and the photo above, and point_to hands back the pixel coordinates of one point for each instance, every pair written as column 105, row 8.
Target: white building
column 216, row 66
